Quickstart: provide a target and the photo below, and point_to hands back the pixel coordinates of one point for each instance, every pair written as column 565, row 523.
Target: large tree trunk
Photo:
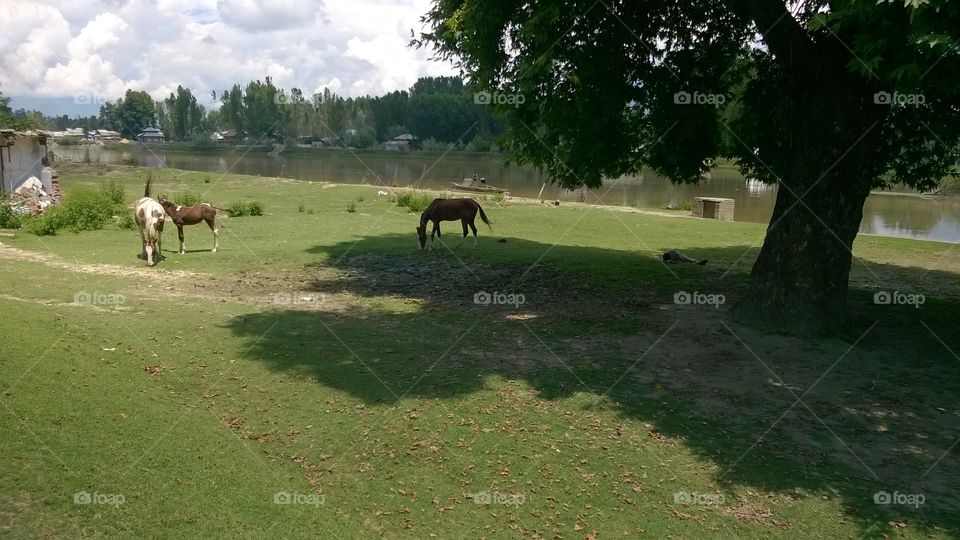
column 800, row 278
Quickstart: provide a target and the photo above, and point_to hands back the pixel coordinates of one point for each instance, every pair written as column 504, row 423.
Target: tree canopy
column 828, row 100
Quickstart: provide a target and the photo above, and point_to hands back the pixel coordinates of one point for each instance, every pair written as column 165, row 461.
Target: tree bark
column 800, row 278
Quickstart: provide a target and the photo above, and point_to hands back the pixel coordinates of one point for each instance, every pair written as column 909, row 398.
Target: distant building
column 22, row 155
column 229, row 135
column 76, row 133
column 105, row 135
column 150, row 134
column 405, row 141
column 331, row 142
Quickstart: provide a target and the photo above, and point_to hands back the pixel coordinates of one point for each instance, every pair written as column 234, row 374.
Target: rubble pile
column 32, row 198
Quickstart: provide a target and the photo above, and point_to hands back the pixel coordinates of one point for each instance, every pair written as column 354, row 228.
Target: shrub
column 241, row 208
column 301, row 208
column 351, row 207
column 8, row 218
column 45, row 225
column 186, row 198
column 125, row 221
column 416, row 203
column 113, row 192
column 202, row 141
column 82, row 210
column 238, row 208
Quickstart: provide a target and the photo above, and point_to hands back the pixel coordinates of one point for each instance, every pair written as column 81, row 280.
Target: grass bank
column 320, row 373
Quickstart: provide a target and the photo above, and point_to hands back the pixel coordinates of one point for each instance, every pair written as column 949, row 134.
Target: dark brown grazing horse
column 439, row 210
column 191, row 215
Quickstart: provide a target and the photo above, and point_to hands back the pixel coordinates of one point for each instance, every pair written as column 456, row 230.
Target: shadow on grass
column 878, row 408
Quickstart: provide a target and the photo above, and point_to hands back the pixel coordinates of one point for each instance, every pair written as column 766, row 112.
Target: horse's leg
column 143, row 245
column 180, row 234
column 436, row 230
column 463, row 223
column 216, row 233
column 474, row 228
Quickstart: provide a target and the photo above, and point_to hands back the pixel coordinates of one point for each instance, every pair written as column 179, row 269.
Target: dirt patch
column 50, row 302
column 245, row 287
column 751, row 513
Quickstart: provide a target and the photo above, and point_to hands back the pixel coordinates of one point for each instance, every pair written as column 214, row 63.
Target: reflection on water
column 886, row 215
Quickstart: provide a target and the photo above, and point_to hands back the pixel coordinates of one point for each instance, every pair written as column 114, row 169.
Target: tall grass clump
column 416, row 203
column 242, row 208
column 186, row 198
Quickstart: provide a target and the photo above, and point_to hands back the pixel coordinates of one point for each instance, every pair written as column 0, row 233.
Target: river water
column 885, row 214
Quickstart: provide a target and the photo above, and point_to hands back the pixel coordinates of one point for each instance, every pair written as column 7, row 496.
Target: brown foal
column 191, row 215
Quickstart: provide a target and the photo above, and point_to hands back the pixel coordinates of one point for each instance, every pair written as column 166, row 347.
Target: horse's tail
column 484, row 217
column 146, row 186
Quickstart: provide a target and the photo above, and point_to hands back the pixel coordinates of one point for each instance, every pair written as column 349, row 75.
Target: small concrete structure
column 713, row 208
column 22, row 155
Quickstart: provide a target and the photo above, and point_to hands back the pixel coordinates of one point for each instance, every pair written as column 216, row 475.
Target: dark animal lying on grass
column 464, row 210
column 674, row 256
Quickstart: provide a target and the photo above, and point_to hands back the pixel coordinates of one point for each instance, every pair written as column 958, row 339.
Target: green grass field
column 320, row 376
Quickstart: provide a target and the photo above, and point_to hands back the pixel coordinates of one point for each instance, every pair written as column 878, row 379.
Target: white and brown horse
column 463, row 210
column 149, row 217
column 191, row 215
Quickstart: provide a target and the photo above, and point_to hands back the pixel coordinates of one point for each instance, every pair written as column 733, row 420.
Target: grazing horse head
column 422, row 236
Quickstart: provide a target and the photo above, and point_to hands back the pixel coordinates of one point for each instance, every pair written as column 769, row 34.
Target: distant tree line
column 437, row 110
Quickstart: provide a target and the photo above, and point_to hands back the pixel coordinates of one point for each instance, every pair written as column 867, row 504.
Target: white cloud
column 103, row 47
column 101, row 32
column 259, row 16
